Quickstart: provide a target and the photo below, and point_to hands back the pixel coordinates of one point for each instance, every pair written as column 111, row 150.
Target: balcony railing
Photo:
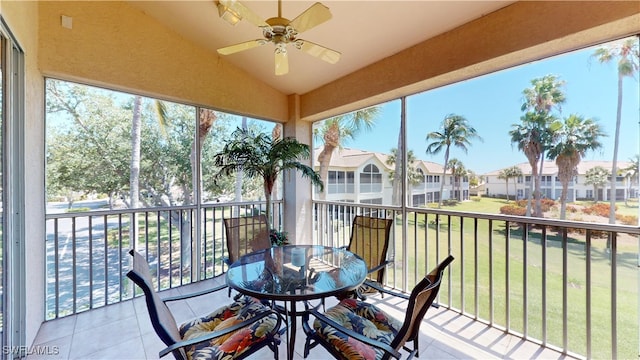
column 570, row 286
column 86, row 253
column 562, row 284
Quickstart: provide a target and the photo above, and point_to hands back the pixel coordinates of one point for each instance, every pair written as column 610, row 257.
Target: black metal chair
column 233, row 331
column 355, row 329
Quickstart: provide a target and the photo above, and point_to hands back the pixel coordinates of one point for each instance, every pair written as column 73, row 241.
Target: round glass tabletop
column 297, row 272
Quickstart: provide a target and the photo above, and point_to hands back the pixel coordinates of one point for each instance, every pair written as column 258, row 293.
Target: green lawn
column 493, row 243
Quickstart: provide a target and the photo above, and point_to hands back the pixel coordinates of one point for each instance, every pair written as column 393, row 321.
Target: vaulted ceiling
column 363, row 31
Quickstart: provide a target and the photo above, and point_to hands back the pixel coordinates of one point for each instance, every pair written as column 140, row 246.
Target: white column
column 297, row 194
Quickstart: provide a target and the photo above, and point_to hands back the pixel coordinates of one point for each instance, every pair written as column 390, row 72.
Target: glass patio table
column 295, row 273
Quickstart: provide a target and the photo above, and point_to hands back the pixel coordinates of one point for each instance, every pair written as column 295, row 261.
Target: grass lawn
column 491, row 250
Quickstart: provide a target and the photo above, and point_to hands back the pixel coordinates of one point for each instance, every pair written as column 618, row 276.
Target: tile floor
column 123, row 331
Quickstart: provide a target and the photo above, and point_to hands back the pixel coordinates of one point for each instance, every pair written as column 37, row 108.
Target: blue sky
column 492, row 103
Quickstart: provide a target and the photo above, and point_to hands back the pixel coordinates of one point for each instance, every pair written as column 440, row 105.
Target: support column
column 298, row 210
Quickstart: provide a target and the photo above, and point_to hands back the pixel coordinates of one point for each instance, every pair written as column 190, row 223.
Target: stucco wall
column 117, row 45
column 519, row 33
column 21, row 18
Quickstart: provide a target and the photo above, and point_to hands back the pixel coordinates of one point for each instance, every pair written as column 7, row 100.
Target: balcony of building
column 519, row 287
column 515, row 280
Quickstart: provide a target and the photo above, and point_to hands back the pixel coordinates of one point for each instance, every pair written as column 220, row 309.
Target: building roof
column 353, row 158
column 550, row 167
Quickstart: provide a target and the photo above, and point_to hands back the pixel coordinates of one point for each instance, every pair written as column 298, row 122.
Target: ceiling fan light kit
column 228, row 15
column 279, row 31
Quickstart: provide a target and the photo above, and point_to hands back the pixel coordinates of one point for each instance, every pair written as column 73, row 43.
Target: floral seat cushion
column 362, row 318
column 235, row 343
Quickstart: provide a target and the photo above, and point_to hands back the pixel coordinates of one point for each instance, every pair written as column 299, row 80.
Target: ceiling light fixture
column 228, row 14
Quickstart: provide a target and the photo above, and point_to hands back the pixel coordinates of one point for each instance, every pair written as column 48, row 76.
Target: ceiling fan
column 279, row 31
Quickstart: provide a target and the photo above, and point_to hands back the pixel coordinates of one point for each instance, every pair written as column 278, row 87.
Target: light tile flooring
column 123, row 331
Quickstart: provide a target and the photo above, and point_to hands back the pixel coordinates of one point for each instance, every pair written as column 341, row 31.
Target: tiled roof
column 550, row 167
column 353, row 158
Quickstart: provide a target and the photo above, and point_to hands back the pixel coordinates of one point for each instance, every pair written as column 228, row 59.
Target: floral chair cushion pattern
column 235, row 343
column 360, row 317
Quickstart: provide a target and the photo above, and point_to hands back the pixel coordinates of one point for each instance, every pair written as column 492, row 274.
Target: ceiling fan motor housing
column 279, row 31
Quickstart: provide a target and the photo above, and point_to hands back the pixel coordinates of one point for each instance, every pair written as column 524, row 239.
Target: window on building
column 340, row 182
column 370, row 179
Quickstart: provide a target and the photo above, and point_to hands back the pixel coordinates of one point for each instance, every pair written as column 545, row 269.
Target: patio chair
column 355, row 329
column 233, row 331
column 370, row 240
column 245, row 235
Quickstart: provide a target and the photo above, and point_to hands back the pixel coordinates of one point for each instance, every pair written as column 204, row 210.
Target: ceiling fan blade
column 244, row 12
column 232, row 49
column 315, row 15
column 319, row 51
column 282, row 62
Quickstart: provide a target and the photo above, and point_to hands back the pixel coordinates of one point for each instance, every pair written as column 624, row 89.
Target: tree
column 598, row 177
column 544, row 95
column 88, row 150
column 263, row 156
column 413, row 176
column 627, row 55
column 512, row 172
column 458, row 171
column 456, row 131
column 334, row 131
column 631, row 172
column 576, row 136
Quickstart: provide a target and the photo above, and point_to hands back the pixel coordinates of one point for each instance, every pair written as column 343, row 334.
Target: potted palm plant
column 260, row 155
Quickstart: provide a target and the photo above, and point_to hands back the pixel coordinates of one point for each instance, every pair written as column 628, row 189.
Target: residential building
column 359, row 176
column 551, row 187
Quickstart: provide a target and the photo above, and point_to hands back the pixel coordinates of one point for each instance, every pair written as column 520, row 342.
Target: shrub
column 571, row 209
column 513, row 210
column 546, row 204
column 600, row 209
column 627, row 219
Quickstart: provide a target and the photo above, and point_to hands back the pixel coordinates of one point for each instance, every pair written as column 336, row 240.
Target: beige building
column 364, row 177
column 551, row 187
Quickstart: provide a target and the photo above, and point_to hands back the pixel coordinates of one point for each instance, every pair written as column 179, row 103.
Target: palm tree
column 261, row 155
column 413, row 176
column 576, row 136
column 598, row 177
column 627, row 55
column 510, row 173
column 334, row 131
column 631, row 173
column 544, row 95
column 457, row 171
column 456, row 131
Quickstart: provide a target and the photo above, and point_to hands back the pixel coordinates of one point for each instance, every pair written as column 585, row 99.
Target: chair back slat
column 370, row 241
column 421, row 298
column 245, row 235
column 161, row 318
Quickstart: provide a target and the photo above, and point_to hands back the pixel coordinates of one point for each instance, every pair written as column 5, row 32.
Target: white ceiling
column 363, row 31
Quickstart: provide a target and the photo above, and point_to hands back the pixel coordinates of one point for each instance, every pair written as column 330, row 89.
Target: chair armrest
column 215, row 334
column 380, row 345
column 381, row 266
column 377, row 286
column 199, row 293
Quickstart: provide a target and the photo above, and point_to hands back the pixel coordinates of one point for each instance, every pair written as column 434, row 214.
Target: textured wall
column 20, row 16
column 113, row 43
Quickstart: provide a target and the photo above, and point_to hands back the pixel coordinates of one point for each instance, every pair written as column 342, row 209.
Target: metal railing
column 86, row 252
column 570, row 286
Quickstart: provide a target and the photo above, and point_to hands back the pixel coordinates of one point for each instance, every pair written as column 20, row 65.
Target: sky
column 491, row 103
